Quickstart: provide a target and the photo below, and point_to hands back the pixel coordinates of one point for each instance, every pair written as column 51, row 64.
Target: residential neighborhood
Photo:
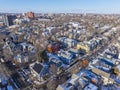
column 60, row 52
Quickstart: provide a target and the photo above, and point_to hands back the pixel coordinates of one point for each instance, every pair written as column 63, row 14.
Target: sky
column 61, row 6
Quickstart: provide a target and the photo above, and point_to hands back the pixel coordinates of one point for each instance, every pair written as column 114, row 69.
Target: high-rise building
column 1, row 21
column 11, row 18
column 30, row 15
column 7, row 19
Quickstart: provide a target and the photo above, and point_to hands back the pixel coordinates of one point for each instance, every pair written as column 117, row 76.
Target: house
column 7, row 48
column 55, row 61
column 117, row 70
column 93, row 43
column 67, row 41
column 89, row 45
column 102, row 63
column 83, row 46
column 74, row 51
column 39, row 70
column 71, row 84
column 51, row 56
column 58, row 64
column 61, row 39
column 10, row 44
column 45, row 33
column 76, row 82
column 107, row 62
column 70, row 42
column 9, row 87
column 27, row 47
column 90, row 76
column 14, row 37
column 75, row 34
column 119, row 56
column 105, row 28
column 19, row 21
column 53, row 47
column 91, row 86
column 21, row 58
column 66, row 57
column 83, row 81
column 3, row 80
column 75, row 24
column 104, row 75
column 51, row 30
column 17, row 48
column 111, row 52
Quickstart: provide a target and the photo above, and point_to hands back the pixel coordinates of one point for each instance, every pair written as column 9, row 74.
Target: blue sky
column 57, row 6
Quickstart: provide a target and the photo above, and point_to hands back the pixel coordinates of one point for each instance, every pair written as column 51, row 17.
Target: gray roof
column 38, row 67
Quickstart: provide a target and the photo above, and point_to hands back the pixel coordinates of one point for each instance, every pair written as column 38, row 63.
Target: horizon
column 59, row 13
column 63, row 6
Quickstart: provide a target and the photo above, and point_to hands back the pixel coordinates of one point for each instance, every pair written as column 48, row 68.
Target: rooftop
column 38, row 67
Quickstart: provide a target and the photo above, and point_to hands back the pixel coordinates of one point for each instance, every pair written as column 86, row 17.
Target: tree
column 53, row 69
column 7, row 54
column 44, row 56
column 21, row 37
column 38, row 52
column 41, row 55
column 52, row 84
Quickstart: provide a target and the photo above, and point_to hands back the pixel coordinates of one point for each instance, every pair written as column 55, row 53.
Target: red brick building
column 1, row 24
column 54, row 47
column 30, row 15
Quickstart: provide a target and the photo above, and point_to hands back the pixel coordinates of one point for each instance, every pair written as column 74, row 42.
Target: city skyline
column 62, row 6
